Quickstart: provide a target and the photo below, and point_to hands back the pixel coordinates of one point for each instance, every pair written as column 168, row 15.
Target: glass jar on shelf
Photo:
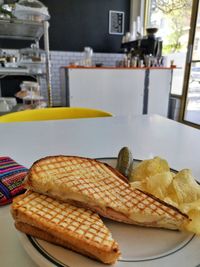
column 88, row 53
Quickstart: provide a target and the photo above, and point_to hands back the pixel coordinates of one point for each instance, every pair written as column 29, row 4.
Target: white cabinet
column 120, row 91
column 159, row 91
column 113, row 90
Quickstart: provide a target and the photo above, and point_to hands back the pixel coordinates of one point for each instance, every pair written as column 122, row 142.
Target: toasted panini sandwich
column 63, row 224
column 94, row 185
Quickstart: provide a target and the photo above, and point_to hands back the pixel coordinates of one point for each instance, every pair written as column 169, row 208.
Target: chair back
column 59, row 113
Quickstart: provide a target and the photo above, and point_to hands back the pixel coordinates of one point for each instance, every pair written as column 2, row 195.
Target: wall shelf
column 21, row 29
column 27, row 30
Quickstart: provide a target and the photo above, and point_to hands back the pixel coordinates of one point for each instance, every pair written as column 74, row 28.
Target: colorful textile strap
column 11, row 177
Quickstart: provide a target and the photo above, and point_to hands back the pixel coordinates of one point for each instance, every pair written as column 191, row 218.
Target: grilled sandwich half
column 64, row 224
column 94, row 185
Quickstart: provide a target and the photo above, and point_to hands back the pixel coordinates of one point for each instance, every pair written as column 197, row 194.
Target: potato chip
column 194, row 225
column 156, row 185
column 179, row 190
column 139, row 185
column 171, row 202
column 186, row 207
column 173, row 174
column 148, row 168
column 184, row 188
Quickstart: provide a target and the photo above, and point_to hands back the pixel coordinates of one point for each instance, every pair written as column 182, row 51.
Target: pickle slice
column 124, row 160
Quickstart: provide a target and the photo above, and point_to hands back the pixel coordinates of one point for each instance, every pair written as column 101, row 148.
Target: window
column 172, row 17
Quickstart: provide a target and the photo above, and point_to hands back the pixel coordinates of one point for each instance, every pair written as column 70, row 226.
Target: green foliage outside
column 177, row 14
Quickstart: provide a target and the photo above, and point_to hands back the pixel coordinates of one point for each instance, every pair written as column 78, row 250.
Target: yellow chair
column 53, row 114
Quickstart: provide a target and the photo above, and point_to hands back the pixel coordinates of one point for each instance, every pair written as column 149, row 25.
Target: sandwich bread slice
column 63, row 224
column 94, row 185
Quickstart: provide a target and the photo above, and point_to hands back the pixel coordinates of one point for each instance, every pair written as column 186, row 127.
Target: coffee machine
column 149, row 45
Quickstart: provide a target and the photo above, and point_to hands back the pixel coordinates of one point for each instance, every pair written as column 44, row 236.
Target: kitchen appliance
column 149, row 45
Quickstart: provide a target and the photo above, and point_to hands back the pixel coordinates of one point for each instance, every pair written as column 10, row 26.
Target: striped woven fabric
column 12, row 175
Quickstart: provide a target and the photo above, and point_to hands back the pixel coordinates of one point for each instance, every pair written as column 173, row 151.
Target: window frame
column 183, row 96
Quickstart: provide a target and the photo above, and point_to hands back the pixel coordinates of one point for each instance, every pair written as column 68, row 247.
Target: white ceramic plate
column 140, row 247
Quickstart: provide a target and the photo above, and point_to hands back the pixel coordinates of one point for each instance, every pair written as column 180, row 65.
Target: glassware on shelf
column 32, row 54
column 33, row 59
column 88, row 53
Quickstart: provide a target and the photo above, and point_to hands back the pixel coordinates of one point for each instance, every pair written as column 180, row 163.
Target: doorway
column 190, row 109
column 179, row 27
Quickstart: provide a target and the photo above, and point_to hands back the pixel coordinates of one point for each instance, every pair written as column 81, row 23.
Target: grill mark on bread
column 99, row 184
column 165, row 204
column 82, row 229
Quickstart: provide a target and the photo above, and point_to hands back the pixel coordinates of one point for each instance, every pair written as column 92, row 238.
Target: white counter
column 121, row 91
column 147, row 136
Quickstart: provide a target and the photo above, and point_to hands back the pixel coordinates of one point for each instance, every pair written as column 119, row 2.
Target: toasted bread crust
column 96, row 184
column 28, row 181
column 71, row 227
column 43, row 235
column 166, row 204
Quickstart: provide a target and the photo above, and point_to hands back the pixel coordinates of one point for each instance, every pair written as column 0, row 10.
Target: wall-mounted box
column 116, row 22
